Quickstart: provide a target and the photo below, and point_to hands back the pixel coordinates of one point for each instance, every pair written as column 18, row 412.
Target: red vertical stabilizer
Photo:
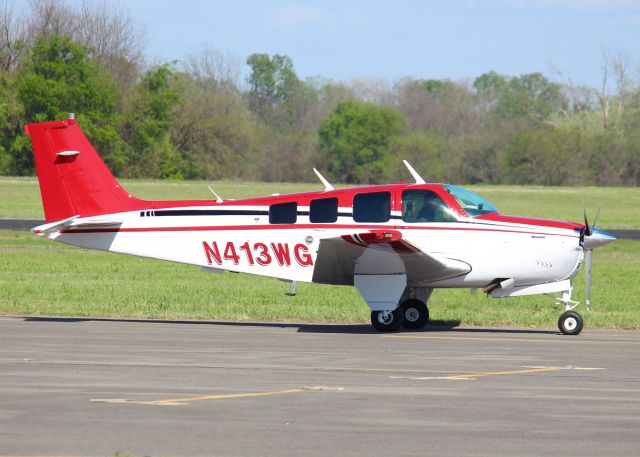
column 73, row 178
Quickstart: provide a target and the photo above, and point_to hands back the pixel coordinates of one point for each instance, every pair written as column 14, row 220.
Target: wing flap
column 381, row 253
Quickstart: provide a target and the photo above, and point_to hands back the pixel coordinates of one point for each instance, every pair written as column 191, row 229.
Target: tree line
column 198, row 119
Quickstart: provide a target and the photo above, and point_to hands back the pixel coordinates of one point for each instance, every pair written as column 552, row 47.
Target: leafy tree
column 212, row 129
column 443, row 106
column 357, row 138
column 422, row 150
column 531, row 96
column 146, row 124
column 58, row 78
column 548, row 157
column 276, row 95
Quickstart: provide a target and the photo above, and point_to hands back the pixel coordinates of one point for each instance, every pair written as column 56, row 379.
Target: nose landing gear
column 570, row 322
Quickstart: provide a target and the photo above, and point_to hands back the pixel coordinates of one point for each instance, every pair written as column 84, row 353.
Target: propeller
column 587, row 271
column 588, row 231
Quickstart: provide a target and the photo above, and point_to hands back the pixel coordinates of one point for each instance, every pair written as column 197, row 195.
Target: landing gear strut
column 570, row 322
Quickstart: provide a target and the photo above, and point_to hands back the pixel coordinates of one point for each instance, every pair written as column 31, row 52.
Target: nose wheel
column 570, row 323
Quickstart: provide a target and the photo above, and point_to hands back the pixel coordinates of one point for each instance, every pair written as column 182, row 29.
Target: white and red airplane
column 395, row 243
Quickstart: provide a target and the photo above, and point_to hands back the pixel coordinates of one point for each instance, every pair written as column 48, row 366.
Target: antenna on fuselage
column 414, row 173
column 218, row 198
column 327, row 185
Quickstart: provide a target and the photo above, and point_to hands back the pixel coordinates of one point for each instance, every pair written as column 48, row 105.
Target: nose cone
column 597, row 239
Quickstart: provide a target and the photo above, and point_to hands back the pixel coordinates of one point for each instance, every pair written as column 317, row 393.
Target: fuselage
column 280, row 235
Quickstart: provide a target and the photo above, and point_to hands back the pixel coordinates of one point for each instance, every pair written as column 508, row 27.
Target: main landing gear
column 412, row 313
column 393, row 304
column 416, row 313
column 387, row 321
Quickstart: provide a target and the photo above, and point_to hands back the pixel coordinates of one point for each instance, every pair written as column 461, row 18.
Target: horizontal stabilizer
column 53, row 227
column 75, row 222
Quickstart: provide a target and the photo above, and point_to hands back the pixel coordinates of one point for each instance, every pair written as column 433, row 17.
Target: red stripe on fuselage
column 302, row 226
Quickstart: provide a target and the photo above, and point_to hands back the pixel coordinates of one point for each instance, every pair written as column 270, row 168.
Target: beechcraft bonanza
column 395, row 243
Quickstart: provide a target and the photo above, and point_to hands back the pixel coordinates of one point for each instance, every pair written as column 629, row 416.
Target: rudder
column 73, row 178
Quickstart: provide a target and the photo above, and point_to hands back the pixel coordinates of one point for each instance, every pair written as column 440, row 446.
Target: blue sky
column 456, row 39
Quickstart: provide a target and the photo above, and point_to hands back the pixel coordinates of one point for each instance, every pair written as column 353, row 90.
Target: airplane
column 395, row 243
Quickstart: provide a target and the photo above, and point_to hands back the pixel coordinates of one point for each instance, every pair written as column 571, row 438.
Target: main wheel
column 416, row 313
column 387, row 321
column 570, row 323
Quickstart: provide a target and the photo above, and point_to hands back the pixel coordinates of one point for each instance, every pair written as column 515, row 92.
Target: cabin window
column 425, row 206
column 372, row 207
column 323, row 210
column 473, row 204
column 283, row 213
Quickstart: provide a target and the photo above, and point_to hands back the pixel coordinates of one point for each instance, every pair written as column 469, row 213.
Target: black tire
column 415, row 313
column 391, row 324
column 570, row 323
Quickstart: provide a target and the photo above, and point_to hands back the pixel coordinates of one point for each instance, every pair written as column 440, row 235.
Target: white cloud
column 297, row 16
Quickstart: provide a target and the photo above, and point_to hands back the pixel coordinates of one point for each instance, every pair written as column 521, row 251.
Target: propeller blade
column 587, row 229
column 595, row 221
column 587, row 272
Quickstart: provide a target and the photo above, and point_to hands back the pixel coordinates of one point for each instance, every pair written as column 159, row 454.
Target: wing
column 381, row 252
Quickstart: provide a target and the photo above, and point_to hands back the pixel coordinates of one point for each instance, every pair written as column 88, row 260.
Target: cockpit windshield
column 473, row 204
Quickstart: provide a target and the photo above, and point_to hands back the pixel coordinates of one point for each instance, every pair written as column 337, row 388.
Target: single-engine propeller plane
column 395, row 243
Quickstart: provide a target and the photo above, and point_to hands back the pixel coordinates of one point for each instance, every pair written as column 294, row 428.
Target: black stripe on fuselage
column 221, row 212
column 209, row 212
column 241, row 212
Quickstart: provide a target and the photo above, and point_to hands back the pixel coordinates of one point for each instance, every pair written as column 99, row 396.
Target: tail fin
column 73, row 178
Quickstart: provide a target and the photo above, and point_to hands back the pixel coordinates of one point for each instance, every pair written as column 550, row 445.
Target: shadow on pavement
column 432, row 326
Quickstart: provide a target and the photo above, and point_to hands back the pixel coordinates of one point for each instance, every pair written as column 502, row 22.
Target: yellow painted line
column 483, row 374
column 560, row 339
column 504, row 373
column 185, row 400
column 227, row 396
column 480, row 374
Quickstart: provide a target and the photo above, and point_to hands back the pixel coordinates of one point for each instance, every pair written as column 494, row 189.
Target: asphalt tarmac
column 71, row 387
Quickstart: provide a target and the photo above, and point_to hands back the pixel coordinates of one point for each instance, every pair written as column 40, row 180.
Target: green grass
column 620, row 206
column 20, row 198
column 41, row 277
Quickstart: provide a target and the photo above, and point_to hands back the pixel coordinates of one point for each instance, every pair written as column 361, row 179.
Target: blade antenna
column 414, row 173
column 218, row 198
column 327, row 185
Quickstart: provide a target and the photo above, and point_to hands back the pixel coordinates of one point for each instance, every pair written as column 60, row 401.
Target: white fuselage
column 248, row 243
